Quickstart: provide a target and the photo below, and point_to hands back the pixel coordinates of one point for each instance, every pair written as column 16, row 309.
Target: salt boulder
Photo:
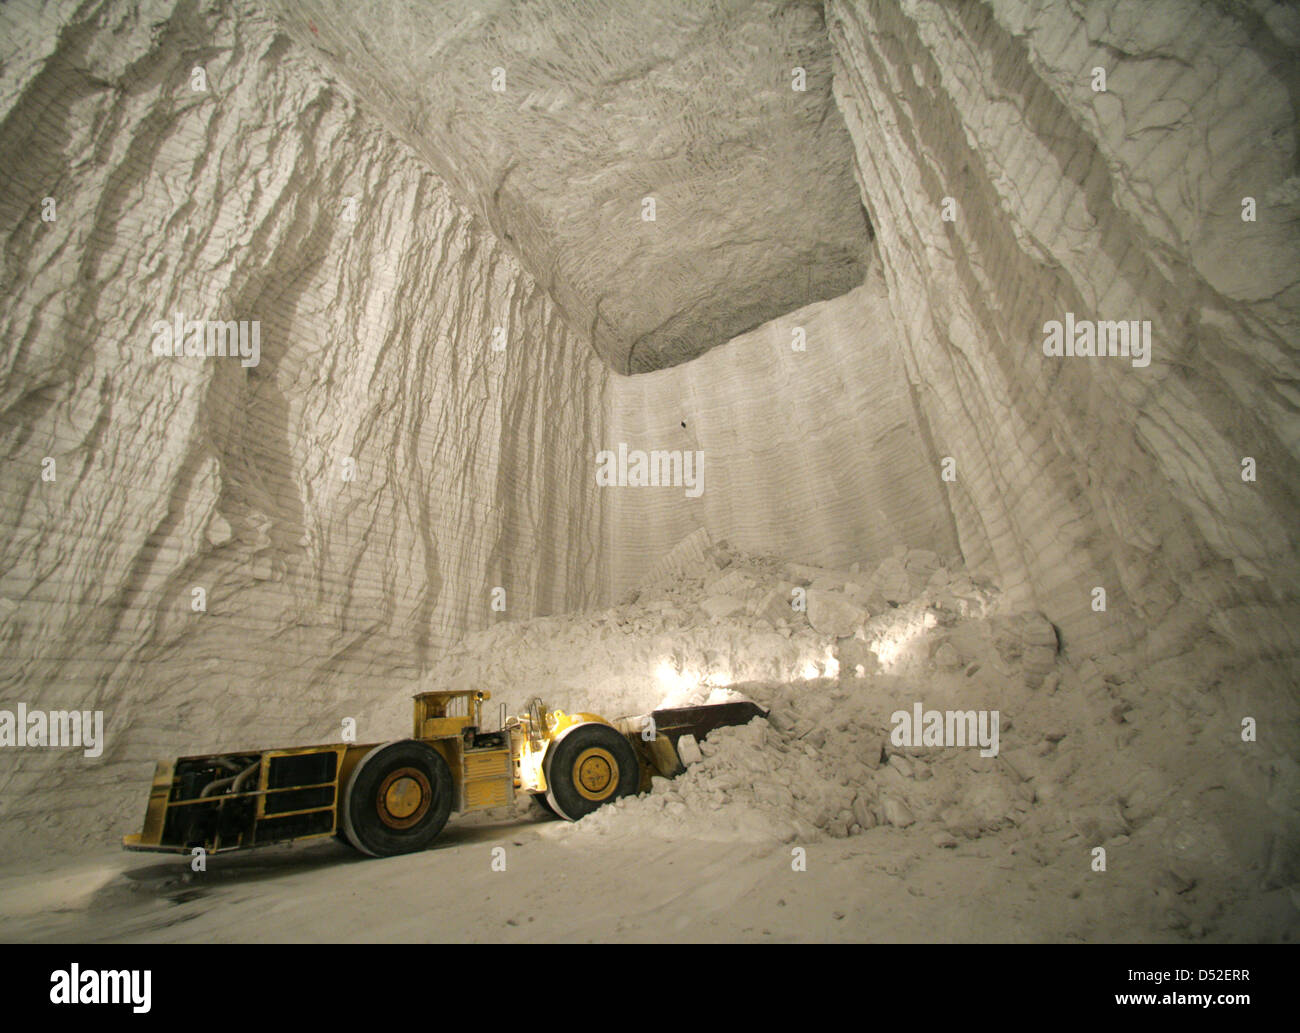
column 897, row 813
column 688, row 750
column 776, row 606
column 219, row 531
column 1027, row 639
column 892, row 582
column 720, row 607
column 873, row 749
column 733, row 582
column 862, row 812
column 830, row 613
column 857, row 594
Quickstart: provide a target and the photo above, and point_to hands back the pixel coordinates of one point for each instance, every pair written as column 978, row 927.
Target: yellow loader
column 394, row 798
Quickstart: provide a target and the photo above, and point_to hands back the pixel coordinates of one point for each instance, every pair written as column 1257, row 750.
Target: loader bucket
column 700, row 721
column 671, row 724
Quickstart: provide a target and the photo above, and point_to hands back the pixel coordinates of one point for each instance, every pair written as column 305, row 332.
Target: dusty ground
column 561, row 884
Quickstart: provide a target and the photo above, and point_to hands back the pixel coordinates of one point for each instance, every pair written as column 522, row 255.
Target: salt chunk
column 688, row 750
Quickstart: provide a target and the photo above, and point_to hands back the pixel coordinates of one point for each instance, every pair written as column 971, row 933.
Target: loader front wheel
column 398, row 799
column 545, row 804
column 589, row 767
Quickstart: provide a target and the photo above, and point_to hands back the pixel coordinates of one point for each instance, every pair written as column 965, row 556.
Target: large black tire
column 592, row 765
column 397, row 800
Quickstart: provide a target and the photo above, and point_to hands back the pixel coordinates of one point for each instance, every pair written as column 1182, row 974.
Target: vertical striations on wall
column 342, row 507
column 809, row 441
column 1123, row 204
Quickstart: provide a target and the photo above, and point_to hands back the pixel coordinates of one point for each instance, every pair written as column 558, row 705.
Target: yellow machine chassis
column 214, row 801
column 482, row 777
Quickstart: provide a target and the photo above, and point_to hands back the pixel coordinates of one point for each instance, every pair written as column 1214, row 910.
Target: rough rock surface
column 1126, row 204
column 602, row 105
column 472, row 466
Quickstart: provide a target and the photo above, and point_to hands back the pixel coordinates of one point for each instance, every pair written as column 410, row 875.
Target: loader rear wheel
column 398, row 799
column 592, row 765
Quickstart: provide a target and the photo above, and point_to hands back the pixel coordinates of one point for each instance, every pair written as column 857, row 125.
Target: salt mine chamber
column 877, row 363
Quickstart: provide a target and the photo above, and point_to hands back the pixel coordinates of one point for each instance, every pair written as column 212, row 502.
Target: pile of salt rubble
column 1088, row 754
column 826, row 761
column 863, row 646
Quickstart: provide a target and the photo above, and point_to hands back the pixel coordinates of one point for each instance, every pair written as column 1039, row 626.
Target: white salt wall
column 814, row 455
column 472, row 466
column 1075, row 473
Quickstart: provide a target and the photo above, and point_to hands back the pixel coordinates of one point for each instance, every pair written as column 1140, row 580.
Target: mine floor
column 886, row 885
